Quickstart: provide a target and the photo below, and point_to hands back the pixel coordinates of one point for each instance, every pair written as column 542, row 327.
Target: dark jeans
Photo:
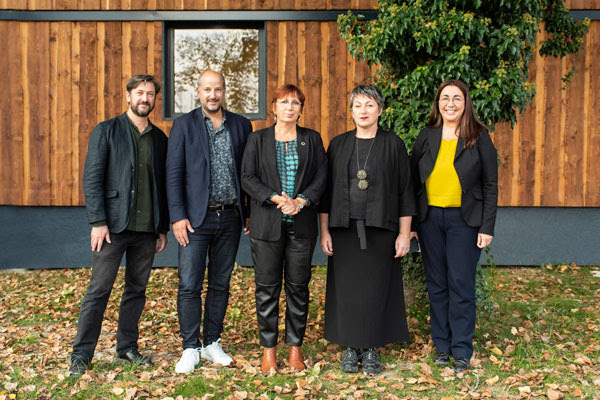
column 289, row 256
column 218, row 238
column 139, row 248
column 450, row 256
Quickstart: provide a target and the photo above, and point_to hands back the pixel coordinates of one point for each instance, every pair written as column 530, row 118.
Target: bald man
column 208, row 210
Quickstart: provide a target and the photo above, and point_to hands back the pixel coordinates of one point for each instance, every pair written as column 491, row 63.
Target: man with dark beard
column 126, row 204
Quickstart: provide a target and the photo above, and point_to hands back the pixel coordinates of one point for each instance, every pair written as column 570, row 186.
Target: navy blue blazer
column 109, row 175
column 188, row 165
column 477, row 170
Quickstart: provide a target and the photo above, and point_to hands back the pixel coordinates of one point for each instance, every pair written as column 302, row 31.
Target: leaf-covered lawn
column 542, row 341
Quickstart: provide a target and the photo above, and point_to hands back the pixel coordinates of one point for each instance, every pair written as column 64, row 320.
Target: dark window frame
column 168, row 59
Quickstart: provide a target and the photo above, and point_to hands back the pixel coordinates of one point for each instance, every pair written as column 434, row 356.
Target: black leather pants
column 288, row 257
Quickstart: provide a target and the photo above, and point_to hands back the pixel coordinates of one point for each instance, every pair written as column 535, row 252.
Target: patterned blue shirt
column 287, row 166
column 222, row 168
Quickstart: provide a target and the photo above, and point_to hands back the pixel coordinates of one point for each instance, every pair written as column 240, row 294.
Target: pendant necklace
column 363, row 184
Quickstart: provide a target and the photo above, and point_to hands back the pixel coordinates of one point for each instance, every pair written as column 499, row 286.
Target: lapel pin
column 302, row 143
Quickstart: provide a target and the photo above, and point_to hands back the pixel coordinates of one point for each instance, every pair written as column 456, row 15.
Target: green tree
column 418, row 44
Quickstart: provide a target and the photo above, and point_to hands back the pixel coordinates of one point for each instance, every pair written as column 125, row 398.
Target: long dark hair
column 470, row 126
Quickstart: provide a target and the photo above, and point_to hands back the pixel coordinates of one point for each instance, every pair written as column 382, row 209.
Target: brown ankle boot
column 296, row 358
column 269, row 359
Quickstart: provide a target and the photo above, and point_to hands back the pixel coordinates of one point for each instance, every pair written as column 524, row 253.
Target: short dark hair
column 371, row 91
column 139, row 78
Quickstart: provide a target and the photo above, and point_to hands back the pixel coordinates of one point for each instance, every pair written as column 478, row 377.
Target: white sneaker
column 213, row 352
column 189, row 359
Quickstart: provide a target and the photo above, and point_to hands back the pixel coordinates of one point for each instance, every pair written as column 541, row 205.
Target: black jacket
column 260, row 179
column 477, row 170
column 109, row 175
column 390, row 194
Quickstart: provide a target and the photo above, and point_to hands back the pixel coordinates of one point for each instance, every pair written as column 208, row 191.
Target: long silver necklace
column 361, row 174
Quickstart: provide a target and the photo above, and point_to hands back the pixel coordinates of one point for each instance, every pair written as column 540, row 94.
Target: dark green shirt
column 141, row 215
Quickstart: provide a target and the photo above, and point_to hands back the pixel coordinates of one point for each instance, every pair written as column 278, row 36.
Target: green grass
column 542, row 335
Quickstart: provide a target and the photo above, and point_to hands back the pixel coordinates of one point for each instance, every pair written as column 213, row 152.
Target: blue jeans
column 218, row 238
column 139, row 249
column 450, row 256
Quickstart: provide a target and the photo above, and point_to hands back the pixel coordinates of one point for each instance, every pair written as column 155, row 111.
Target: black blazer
column 188, row 164
column 109, row 175
column 390, row 194
column 477, row 170
column 260, row 179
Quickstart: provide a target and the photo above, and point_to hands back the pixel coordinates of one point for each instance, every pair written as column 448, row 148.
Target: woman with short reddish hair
column 284, row 171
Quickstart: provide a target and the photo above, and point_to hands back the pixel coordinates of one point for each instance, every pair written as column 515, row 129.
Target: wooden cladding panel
column 549, row 158
column 592, row 176
column 189, row 5
column 68, row 76
column 583, row 4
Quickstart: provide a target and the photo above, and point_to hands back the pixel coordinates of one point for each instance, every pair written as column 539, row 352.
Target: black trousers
column 139, row 248
column 289, row 257
column 450, row 256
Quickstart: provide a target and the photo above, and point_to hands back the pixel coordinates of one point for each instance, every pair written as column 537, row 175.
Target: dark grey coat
column 109, row 175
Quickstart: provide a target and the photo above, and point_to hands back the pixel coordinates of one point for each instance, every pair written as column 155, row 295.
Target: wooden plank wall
column 549, row 158
column 68, row 76
column 187, row 4
column 64, row 77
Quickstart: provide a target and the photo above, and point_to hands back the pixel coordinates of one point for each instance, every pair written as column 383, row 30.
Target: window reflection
column 233, row 52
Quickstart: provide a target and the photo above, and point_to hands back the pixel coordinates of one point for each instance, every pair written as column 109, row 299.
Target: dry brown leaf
column 554, row 394
column 492, row 381
column 524, row 389
column 426, row 369
column 496, row 351
column 130, row 393
column 117, row 390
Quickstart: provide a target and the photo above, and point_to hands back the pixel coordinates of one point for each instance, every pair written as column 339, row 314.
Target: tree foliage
column 418, row 44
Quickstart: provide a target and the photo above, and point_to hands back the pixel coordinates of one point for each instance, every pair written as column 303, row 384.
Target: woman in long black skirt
column 365, row 228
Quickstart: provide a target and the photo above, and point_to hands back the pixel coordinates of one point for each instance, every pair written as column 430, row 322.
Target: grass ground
column 541, row 341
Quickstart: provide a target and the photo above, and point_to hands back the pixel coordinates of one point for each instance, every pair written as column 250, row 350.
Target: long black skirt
column 364, row 303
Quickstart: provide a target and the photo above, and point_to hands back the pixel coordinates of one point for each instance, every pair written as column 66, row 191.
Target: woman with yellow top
column 455, row 174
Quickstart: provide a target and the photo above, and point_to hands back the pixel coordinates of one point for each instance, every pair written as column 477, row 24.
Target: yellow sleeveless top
column 443, row 186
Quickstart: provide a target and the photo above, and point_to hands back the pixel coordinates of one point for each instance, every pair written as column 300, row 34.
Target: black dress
column 364, row 305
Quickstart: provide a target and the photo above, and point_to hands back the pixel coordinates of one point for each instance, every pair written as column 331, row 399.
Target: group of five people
column 216, row 179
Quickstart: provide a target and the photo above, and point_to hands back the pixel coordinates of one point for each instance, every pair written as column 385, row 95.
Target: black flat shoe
column 441, row 358
column 349, row 361
column 78, row 367
column 461, row 364
column 134, row 357
column 370, row 362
